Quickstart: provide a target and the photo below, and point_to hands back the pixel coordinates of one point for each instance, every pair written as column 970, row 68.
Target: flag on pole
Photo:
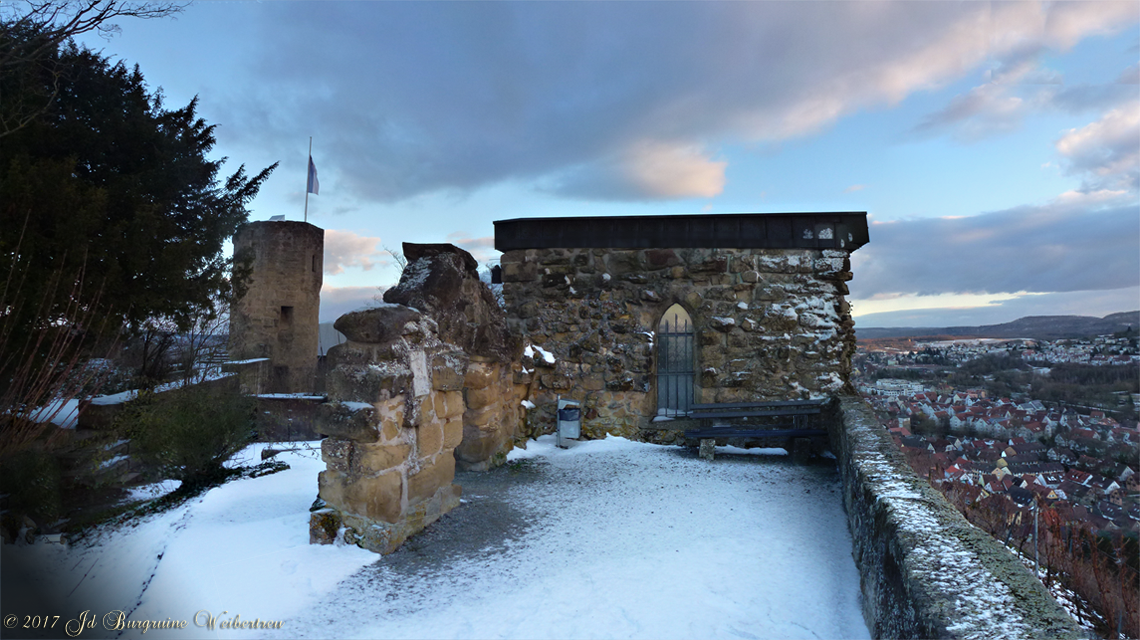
column 314, row 185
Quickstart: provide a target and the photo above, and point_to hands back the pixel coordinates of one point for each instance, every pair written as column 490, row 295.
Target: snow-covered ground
column 63, row 413
column 607, row 539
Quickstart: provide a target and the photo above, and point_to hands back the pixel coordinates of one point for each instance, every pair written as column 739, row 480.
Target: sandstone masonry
column 393, row 420
column 277, row 314
column 414, row 391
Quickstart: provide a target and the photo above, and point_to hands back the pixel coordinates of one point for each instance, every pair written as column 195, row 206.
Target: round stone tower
column 277, row 316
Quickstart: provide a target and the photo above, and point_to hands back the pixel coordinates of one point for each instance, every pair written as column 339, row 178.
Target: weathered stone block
column 453, row 405
column 557, row 381
column 448, row 370
column 519, row 271
column 480, row 374
column 483, row 418
column 739, row 263
column 738, row 340
column 709, row 338
column 368, row 383
column 452, row 433
column 593, row 382
column 712, row 264
column 479, row 398
column 391, row 427
column 378, row 497
column 478, row 445
column 661, row 258
column 360, row 353
column 336, row 453
column 722, row 324
column 429, row 439
column 431, row 478
column 620, row 263
column 368, row 459
column 350, row 421
column 379, row 325
column 324, row 524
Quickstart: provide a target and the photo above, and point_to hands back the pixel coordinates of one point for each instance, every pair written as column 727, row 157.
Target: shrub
column 31, row 480
column 189, row 433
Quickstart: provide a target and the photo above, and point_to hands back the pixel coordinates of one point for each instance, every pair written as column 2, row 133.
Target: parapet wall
column 925, row 571
column 768, row 324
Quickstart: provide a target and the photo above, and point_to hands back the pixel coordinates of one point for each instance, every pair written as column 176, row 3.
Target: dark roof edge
column 674, row 216
column 845, row 230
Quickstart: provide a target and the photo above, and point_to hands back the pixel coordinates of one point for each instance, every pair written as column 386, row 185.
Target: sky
column 994, row 146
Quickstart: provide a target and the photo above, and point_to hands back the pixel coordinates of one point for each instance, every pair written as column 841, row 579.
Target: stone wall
column 493, row 414
column 253, row 374
column 100, row 413
column 424, row 382
column 277, row 315
column 769, row 324
column 442, row 280
column 286, row 418
column 393, row 421
column 926, row 572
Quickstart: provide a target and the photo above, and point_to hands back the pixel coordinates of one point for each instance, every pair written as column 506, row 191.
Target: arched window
column 674, row 362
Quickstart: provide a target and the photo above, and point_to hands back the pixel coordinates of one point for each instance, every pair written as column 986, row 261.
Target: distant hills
column 1040, row 327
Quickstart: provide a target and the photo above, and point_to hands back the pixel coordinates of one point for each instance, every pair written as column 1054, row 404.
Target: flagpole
column 307, row 165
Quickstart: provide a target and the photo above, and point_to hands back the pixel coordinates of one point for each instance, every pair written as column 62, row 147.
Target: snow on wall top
column 127, row 396
column 950, row 579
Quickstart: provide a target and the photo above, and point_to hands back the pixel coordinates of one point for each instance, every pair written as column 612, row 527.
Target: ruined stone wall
column 769, row 324
column 424, row 382
column 442, row 281
column 925, row 572
column 393, row 421
column 278, row 315
column 493, row 413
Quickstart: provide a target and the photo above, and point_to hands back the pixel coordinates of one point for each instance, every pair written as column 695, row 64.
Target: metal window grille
column 674, row 366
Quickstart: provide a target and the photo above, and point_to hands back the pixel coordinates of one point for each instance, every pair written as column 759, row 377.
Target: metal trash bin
column 569, row 421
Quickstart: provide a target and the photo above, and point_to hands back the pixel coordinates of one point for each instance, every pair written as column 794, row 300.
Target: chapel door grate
column 674, row 364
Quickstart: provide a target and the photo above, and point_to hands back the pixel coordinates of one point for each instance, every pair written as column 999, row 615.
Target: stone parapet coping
column 925, row 572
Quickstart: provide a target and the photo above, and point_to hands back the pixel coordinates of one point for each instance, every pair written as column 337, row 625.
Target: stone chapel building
column 645, row 315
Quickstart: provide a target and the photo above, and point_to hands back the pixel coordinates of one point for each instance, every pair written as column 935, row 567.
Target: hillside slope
column 1041, row 327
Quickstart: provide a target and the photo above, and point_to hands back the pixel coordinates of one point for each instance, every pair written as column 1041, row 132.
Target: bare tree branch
column 31, row 31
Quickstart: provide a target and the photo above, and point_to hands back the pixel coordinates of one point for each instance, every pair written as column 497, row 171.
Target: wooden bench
column 795, row 436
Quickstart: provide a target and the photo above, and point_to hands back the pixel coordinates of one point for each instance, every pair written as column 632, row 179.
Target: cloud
column 855, row 187
column 482, row 249
column 337, row 301
column 1077, row 242
column 647, row 170
column 1106, row 152
column 605, row 100
column 1074, row 303
column 346, row 249
column 993, row 107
